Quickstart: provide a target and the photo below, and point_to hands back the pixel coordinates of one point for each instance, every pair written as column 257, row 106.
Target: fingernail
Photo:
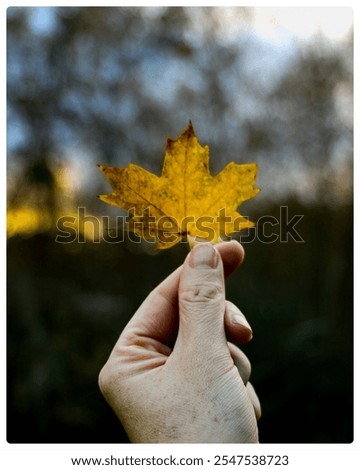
column 204, row 254
column 239, row 320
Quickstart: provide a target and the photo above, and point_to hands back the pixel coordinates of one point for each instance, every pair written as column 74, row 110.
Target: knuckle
column 105, row 380
column 246, row 369
column 102, row 381
column 232, row 308
column 201, row 293
column 241, row 362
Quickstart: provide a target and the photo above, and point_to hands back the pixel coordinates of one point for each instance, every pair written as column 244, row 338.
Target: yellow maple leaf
column 186, row 201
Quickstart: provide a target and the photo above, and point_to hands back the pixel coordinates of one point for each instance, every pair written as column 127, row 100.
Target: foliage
column 168, row 208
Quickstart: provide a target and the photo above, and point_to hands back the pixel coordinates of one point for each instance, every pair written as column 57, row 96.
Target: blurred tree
column 303, row 128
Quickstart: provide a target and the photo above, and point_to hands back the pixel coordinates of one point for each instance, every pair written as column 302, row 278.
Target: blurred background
column 109, row 85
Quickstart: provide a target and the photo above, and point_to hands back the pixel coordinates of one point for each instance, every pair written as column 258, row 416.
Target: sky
column 273, row 25
column 276, row 24
column 274, row 35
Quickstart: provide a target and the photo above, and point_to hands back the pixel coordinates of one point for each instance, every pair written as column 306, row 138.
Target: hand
column 197, row 391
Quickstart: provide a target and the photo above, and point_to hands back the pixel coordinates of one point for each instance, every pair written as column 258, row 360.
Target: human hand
column 197, row 391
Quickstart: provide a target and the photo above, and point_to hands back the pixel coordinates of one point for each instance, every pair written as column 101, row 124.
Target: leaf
column 186, row 202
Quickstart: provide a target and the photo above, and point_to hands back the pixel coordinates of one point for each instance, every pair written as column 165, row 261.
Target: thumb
column 202, row 300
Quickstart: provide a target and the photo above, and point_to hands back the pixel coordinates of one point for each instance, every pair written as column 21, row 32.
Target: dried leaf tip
column 188, row 132
column 190, row 129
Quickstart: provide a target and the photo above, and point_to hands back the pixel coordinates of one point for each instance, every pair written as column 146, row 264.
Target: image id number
column 251, row 460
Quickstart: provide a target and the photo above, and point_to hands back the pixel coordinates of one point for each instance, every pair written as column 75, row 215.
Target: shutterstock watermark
column 137, row 227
